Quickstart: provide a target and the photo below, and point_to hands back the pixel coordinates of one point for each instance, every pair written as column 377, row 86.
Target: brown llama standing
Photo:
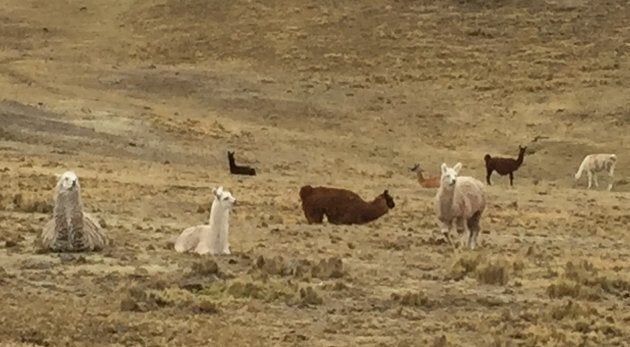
column 342, row 206
column 504, row 166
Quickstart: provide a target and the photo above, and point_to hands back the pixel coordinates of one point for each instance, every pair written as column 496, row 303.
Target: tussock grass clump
column 571, row 289
column 493, row 272
column 571, row 310
column 266, row 291
column 463, row 265
column 308, row 296
column 413, row 299
column 581, row 280
column 142, row 299
column 279, row 266
column 300, row 268
column 200, row 274
column 31, row 205
column 205, row 267
column 489, row 271
column 328, row 268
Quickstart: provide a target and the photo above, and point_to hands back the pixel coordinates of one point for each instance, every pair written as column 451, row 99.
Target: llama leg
column 511, row 179
column 590, row 179
column 610, row 174
column 464, row 239
column 445, row 230
column 224, row 242
column 474, row 230
column 595, row 180
column 488, row 174
column 314, row 216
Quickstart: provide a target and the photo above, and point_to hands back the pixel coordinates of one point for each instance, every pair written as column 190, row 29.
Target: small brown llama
column 425, row 182
column 504, row 166
column 342, row 206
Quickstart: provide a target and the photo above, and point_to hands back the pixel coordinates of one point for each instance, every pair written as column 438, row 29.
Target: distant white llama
column 211, row 238
column 458, row 204
column 594, row 163
column 70, row 229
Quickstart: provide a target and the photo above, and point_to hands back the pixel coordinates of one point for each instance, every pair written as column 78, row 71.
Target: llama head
column 68, row 181
column 223, row 197
column 416, row 168
column 522, row 149
column 449, row 174
column 230, row 154
column 388, row 199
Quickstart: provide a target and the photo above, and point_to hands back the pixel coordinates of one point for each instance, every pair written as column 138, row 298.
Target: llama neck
column 446, row 198
column 219, row 218
column 218, row 215
column 519, row 160
column 375, row 209
column 67, row 201
column 232, row 162
column 420, row 176
column 67, row 211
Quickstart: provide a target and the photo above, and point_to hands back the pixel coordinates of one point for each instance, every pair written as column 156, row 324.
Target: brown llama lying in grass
column 342, row 206
column 504, row 166
column 426, row 182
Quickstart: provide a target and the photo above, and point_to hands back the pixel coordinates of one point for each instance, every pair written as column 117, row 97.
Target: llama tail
column 487, row 157
column 305, row 191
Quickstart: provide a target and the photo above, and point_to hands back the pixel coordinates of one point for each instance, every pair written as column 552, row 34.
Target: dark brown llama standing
column 238, row 169
column 342, row 206
column 504, row 166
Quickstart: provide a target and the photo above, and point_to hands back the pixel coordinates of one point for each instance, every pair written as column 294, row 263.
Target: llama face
column 225, row 198
column 389, row 200
column 68, row 181
column 449, row 175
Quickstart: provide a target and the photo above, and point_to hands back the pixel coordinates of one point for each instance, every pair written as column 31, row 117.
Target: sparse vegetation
column 496, row 273
column 582, row 280
column 144, row 97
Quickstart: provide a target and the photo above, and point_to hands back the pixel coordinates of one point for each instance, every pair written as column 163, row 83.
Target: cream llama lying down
column 211, row 238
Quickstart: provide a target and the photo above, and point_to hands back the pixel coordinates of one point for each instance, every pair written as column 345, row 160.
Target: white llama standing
column 211, row 238
column 458, row 204
column 594, row 163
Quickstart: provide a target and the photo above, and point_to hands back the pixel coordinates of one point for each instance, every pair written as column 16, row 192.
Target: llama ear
column 457, row 167
column 444, row 168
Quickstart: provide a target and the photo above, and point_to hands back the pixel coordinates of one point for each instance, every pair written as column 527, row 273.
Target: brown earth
column 143, row 98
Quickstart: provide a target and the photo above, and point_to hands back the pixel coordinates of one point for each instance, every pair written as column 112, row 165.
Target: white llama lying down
column 213, row 237
column 70, row 229
column 459, row 203
column 594, row 163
